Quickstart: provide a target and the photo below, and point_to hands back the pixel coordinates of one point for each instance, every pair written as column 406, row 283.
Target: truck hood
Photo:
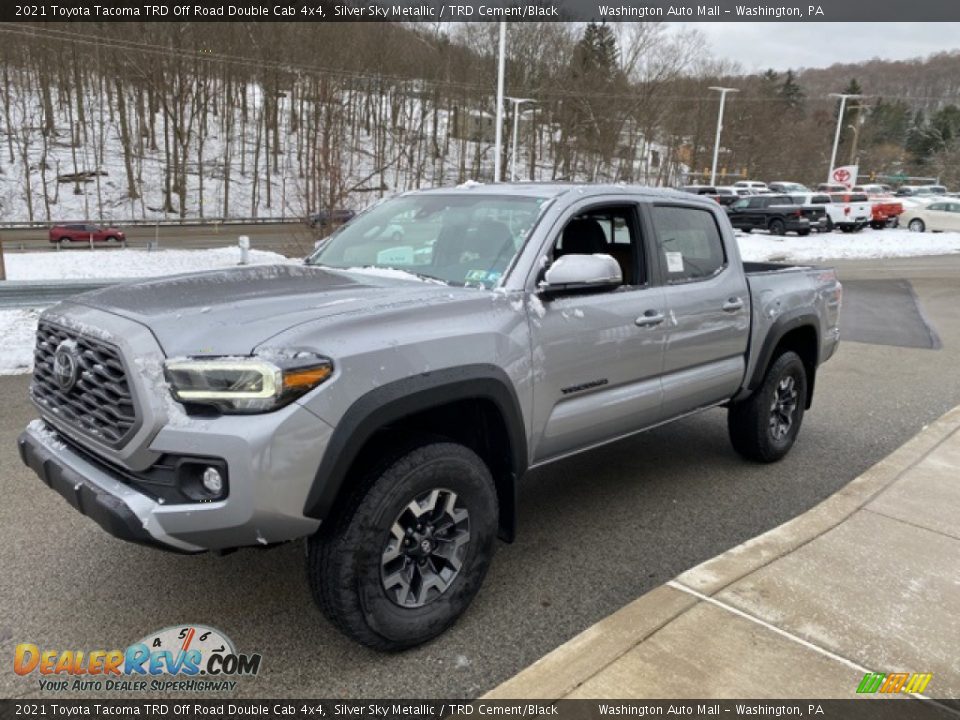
column 231, row 312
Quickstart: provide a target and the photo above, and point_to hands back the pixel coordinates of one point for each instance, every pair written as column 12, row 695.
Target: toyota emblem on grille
column 66, row 365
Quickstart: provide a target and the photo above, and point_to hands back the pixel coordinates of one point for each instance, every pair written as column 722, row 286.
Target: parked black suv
column 777, row 213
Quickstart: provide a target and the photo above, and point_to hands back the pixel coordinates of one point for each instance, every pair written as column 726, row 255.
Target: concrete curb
column 560, row 672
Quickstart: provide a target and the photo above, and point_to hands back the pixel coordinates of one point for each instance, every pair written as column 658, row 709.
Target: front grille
column 100, row 403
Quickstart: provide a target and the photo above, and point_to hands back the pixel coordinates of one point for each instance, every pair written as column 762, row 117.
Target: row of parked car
column 782, row 206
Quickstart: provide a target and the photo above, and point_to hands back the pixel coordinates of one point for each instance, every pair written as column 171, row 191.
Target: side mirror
column 582, row 272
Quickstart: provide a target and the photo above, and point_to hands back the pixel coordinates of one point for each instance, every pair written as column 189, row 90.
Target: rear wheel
column 917, row 225
column 764, row 426
column 112, row 239
column 803, row 233
column 777, row 227
column 408, row 552
column 830, row 225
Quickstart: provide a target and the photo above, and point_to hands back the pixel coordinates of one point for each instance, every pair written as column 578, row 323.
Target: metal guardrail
column 40, row 293
column 167, row 222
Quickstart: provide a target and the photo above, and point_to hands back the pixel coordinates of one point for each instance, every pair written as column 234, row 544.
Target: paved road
column 595, row 532
column 292, row 239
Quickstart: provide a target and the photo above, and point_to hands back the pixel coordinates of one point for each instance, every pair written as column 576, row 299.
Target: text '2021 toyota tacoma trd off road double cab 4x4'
column 383, row 400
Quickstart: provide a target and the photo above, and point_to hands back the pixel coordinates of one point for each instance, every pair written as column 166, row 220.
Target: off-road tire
column 749, row 421
column 344, row 557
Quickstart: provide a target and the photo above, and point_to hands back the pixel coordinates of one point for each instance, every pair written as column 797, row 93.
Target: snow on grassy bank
column 836, row 246
column 77, row 264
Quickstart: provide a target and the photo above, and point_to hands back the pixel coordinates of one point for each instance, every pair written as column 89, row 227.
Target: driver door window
column 609, row 230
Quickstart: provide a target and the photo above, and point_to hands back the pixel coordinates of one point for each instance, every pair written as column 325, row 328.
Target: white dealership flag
column 846, row 175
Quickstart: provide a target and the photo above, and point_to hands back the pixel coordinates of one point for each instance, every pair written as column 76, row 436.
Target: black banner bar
column 860, row 709
column 483, row 11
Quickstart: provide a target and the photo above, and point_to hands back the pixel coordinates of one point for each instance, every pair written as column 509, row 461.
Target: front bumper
column 91, row 493
column 272, row 461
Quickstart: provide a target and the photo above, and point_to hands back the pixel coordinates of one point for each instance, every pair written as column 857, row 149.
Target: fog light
column 213, row 481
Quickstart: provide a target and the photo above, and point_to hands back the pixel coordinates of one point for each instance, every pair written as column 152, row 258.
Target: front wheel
column 777, row 227
column 409, row 550
column 803, row 233
column 764, row 427
column 917, row 225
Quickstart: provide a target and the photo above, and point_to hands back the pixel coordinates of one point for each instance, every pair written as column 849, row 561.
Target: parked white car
column 939, row 216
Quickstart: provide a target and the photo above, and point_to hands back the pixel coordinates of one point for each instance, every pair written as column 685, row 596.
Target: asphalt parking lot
column 596, row 531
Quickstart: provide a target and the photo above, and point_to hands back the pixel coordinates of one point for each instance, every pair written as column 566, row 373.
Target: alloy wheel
column 425, row 549
column 784, row 407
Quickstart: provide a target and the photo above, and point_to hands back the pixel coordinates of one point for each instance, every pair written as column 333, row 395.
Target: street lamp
column 517, row 102
column 501, row 62
column 836, row 138
column 716, row 144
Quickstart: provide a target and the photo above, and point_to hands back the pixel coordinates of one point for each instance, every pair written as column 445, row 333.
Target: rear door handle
column 733, row 304
column 650, row 318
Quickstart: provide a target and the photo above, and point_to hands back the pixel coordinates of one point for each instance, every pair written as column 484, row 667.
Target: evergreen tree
column 596, row 55
column 791, row 92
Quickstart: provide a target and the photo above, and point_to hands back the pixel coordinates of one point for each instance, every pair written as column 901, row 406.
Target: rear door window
column 689, row 243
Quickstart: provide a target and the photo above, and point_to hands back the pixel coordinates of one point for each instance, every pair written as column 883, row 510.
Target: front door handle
column 733, row 304
column 650, row 318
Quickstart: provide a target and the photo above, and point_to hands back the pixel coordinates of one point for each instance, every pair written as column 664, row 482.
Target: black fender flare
column 783, row 325
column 395, row 400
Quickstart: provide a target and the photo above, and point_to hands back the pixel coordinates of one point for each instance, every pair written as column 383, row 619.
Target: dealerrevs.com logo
column 184, row 658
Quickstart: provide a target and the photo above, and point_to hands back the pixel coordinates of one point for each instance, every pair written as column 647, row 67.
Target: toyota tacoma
column 384, row 400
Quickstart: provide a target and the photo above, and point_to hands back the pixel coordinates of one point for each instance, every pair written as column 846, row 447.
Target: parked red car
column 81, row 232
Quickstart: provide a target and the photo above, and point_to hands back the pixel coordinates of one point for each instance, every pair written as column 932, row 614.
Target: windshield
column 459, row 239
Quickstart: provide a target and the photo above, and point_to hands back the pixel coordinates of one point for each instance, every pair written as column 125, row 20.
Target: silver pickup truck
column 384, row 399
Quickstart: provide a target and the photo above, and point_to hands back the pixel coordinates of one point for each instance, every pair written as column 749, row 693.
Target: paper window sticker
column 674, row 262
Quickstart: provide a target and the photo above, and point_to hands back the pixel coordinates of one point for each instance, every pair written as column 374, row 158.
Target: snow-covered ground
column 17, row 326
column 835, row 246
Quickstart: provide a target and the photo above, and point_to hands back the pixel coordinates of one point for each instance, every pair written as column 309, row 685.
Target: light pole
column 716, row 143
column 517, row 102
column 836, row 138
column 501, row 62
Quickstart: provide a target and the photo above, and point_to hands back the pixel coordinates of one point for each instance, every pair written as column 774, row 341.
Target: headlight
column 247, row 385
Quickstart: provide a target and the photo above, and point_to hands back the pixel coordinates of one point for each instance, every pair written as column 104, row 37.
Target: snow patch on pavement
column 18, row 329
column 868, row 243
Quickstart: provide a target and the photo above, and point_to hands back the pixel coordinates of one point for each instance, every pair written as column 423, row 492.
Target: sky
column 783, row 45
